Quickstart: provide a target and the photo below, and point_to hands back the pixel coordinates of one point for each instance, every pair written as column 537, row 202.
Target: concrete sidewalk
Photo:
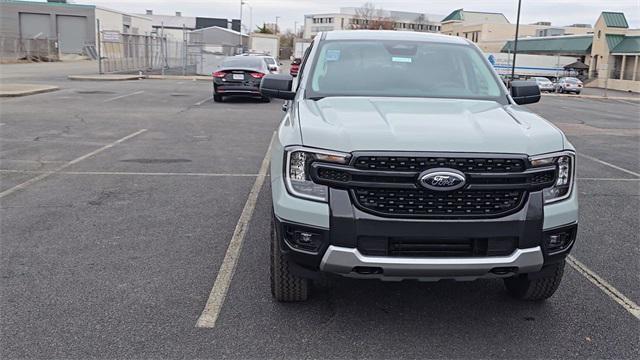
column 106, row 77
column 587, row 96
column 15, row 90
column 121, row 77
column 180, row 77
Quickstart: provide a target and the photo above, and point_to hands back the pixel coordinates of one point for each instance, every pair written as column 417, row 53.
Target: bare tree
column 371, row 18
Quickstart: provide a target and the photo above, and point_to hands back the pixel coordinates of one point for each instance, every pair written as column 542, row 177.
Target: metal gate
column 146, row 53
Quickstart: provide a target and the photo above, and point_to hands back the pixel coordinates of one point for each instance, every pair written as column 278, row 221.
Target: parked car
column 414, row 162
column 544, row 84
column 239, row 75
column 569, row 85
column 272, row 63
column 295, row 67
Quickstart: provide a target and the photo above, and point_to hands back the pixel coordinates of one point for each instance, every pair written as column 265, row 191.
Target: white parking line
column 219, row 291
column 46, row 174
column 123, row 96
column 607, row 288
column 608, row 179
column 609, row 164
column 203, row 101
column 125, row 173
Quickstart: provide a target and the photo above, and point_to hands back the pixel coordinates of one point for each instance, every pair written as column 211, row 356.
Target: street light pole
column 250, row 19
column 240, row 30
column 515, row 43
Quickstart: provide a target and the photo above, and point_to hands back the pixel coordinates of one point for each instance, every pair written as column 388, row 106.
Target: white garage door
column 35, row 26
column 73, row 33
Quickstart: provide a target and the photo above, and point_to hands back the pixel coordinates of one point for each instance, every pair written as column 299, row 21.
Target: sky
column 559, row 12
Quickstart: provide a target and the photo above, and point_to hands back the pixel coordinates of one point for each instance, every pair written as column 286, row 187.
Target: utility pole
column 185, row 50
column 277, row 17
column 241, row 4
column 515, row 44
column 99, row 47
column 250, row 19
column 295, row 29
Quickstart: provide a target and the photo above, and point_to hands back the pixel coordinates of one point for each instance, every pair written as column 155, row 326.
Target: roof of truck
column 392, row 35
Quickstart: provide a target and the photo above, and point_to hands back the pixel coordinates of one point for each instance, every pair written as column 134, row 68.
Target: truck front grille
column 414, row 163
column 426, row 203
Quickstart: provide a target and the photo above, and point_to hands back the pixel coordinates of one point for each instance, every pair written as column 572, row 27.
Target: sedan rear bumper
column 237, row 90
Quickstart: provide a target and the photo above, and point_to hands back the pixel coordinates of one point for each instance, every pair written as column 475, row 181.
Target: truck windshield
column 401, row 69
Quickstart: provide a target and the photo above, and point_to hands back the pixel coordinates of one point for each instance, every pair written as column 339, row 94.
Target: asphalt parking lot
column 119, row 201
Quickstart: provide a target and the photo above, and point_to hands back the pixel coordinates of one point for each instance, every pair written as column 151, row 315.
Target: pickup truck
column 402, row 156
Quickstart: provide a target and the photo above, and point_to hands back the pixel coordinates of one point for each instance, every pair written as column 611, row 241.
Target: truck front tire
column 536, row 286
column 285, row 286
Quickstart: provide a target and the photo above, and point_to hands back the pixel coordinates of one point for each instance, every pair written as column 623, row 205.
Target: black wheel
column 536, row 286
column 285, row 287
column 217, row 98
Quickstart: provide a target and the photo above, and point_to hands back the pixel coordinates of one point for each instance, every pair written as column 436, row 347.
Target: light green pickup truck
column 403, row 156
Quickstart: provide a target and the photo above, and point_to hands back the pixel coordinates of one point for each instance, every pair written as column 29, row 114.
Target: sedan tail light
column 219, row 74
column 257, row 75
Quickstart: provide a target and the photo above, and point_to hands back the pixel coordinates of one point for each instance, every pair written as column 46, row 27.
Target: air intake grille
column 426, row 203
column 427, row 247
column 480, row 165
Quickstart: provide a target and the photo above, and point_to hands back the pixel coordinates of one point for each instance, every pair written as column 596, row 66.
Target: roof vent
column 149, row 12
column 178, row 13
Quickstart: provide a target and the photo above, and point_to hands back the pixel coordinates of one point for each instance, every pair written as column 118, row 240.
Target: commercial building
column 354, row 18
column 490, row 31
column 175, row 26
column 68, row 28
column 611, row 51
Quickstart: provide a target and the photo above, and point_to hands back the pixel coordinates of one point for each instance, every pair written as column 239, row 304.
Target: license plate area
column 238, row 77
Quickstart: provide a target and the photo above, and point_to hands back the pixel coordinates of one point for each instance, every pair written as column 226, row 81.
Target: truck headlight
column 565, row 173
column 296, row 171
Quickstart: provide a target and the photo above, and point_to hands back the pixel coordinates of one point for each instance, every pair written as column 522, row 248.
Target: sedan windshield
column 572, row 81
column 401, row 69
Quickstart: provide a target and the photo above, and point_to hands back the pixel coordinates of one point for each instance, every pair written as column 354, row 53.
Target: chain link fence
column 13, row 49
column 121, row 53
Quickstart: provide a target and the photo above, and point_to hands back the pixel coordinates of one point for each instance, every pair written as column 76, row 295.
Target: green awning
column 554, row 45
column 629, row 45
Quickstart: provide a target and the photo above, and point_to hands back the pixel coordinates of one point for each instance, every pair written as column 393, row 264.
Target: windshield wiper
column 316, row 98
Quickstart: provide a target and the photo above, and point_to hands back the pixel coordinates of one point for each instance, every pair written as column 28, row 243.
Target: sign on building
column 110, row 36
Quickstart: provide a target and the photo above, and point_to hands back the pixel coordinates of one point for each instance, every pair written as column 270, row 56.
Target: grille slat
column 426, row 203
column 467, row 164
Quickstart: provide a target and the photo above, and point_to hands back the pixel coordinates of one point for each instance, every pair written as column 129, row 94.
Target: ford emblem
column 442, row 179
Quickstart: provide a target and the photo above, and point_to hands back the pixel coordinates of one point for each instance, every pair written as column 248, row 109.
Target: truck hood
column 417, row 124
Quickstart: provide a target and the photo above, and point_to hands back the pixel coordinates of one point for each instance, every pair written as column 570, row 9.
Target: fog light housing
column 559, row 240
column 301, row 239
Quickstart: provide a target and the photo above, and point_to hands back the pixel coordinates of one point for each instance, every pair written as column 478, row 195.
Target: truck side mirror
column 277, row 86
column 525, row 92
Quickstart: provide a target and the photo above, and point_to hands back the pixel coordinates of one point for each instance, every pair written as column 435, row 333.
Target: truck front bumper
column 339, row 229
column 350, row 262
